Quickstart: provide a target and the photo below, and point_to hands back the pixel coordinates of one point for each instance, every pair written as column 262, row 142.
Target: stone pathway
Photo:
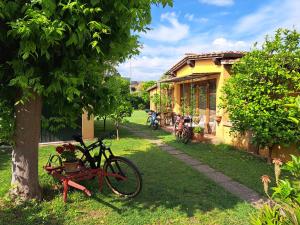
column 222, row 180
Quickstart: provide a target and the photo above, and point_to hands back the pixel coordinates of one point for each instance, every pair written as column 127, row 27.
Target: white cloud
column 192, row 18
column 189, row 17
column 218, row 2
column 221, row 44
column 146, row 68
column 156, row 60
column 176, row 31
column 279, row 14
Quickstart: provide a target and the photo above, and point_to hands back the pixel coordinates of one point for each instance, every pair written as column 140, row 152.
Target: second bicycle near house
column 153, row 119
column 182, row 129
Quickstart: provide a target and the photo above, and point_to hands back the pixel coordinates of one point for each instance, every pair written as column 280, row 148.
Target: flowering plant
column 284, row 207
column 67, row 152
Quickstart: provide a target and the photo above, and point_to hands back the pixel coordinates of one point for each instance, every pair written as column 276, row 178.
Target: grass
column 173, row 193
column 239, row 165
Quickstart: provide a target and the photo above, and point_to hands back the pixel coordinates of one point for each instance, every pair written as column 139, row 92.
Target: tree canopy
column 60, row 49
column 262, row 82
column 57, row 53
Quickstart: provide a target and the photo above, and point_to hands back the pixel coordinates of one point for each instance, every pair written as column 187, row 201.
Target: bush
column 261, row 83
column 141, row 106
column 136, row 101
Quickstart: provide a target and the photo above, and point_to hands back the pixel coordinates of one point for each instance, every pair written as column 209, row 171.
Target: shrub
column 141, row 106
column 261, row 83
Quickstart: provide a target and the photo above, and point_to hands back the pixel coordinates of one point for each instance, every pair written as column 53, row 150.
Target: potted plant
column 70, row 161
column 196, row 118
column 198, row 133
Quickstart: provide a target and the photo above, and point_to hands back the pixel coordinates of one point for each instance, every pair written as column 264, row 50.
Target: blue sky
column 202, row 26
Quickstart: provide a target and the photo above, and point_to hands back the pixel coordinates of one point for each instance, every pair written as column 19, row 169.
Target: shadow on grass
column 5, row 157
column 235, row 163
column 168, row 184
column 28, row 213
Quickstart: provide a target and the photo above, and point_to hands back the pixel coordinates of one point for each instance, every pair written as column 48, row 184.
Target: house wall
column 87, row 126
column 223, row 129
column 201, row 66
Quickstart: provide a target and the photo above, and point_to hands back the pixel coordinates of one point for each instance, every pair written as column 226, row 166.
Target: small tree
column 261, row 83
column 123, row 110
column 121, row 106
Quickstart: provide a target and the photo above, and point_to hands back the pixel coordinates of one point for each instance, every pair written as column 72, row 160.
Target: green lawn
column 173, row 193
column 239, row 165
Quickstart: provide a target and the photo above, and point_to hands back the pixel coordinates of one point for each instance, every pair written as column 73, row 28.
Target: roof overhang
column 152, row 87
column 193, row 76
column 217, row 57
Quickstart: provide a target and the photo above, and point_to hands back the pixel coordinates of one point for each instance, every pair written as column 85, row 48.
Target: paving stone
column 174, row 152
column 219, row 177
column 193, row 162
column 204, row 169
column 187, row 159
column 161, row 145
column 167, row 147
column 242, row 192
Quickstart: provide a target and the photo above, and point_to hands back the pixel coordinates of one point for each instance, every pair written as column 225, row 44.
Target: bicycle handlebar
column 78, row 137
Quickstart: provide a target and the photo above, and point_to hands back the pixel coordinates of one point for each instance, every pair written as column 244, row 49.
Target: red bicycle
column 182, row 131
column 120, row 174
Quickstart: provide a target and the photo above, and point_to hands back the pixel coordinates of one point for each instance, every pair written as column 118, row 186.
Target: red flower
column 69, row 147
column 59, row 149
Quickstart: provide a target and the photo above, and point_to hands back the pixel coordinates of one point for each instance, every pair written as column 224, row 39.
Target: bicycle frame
column 102, row 151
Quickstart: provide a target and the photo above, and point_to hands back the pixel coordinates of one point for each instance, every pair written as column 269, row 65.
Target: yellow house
column 200, row 77
column 196, row 81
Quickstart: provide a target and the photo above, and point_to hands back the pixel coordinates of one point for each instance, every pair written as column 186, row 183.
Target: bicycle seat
column 77, row 137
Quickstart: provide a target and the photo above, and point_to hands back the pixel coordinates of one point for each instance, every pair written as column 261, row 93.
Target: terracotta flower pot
column 198, row 136
column 218, row 119
column 71, row 167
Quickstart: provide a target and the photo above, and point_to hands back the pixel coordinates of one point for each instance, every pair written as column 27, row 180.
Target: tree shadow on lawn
column 27, row 213
column 169, row 184
column 5, row 158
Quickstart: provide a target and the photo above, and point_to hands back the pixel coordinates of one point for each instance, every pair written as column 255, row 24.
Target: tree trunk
column 25, row 183
column 256, row 149
column 117, row 128
column 270, row 154
column 104, row 123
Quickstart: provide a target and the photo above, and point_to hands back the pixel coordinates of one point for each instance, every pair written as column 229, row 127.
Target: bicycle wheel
column 148, row 122
column 178, row 135
column 187, row 135
column 155, row 125
column 131, row 185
